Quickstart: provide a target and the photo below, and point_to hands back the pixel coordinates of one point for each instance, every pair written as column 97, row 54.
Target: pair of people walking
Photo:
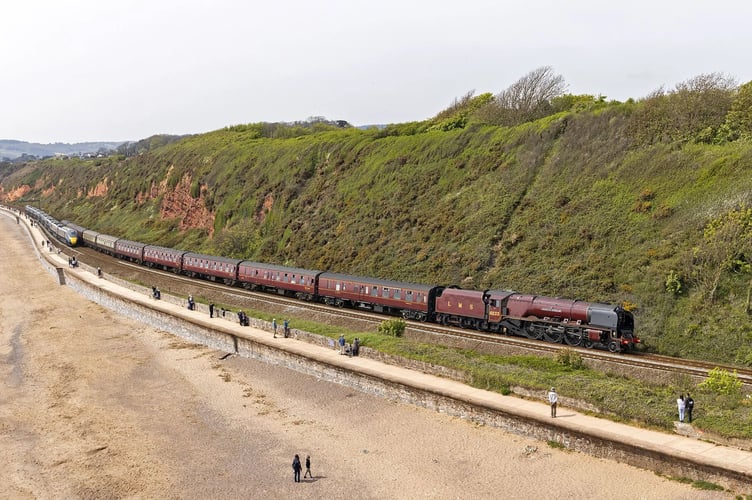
column 296, row 467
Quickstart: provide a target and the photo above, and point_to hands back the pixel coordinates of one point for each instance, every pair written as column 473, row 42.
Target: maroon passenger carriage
column 169, row 259
column 289, row 281
column 409, row 300
column 211, row 267
column 130, row 250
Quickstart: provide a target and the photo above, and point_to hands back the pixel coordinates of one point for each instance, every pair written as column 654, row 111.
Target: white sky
column 103, row 70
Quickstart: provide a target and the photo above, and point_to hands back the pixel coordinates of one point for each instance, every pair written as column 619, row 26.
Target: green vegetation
column 644, row 203
column 393, row 327
column 555, row 444
column 718, row 410
column 700, row 485
column 723, row 383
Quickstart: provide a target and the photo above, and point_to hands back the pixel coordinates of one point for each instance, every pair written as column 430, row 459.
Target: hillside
column 13, row 150
column 611, row 202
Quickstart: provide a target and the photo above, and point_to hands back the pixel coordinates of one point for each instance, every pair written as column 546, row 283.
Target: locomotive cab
column 626, row 328
column 617, row 324
column 71, row 236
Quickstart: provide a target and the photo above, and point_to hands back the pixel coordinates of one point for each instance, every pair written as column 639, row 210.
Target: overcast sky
column 99, row 70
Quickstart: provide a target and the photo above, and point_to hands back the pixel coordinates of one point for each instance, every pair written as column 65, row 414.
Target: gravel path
column 93, row 405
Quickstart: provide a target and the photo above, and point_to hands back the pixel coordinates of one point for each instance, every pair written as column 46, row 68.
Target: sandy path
column 93, row 405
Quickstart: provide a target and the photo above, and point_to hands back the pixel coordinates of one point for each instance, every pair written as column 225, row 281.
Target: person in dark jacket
column 689, row 405
column 308, row 467
column 296, row 468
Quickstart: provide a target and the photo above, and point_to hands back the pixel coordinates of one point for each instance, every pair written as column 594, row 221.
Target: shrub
column 673, row 283
column 722, row 382
column 392, row 327
column 569, row 358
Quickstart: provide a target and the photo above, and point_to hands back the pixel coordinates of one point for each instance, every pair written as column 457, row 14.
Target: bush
column 569, row 358
column 673, row 283
column 722, row 382
column 392, row 327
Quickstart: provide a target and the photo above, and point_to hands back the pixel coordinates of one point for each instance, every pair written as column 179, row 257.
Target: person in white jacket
column 553, row 398
column 680, row 404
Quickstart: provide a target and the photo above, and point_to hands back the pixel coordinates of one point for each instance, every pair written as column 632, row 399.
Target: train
column 53, row 227
column 556, row 320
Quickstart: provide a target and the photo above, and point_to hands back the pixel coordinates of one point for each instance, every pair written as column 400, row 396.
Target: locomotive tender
column 557, row 320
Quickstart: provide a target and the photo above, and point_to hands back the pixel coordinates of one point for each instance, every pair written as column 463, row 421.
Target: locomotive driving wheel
column 613, row 346
column 533, row 331
column 552, row 335
column 573, row 337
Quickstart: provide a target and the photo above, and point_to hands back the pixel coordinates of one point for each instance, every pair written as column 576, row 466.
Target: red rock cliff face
column 14, row 194
column 178, row 203
column 99, row 190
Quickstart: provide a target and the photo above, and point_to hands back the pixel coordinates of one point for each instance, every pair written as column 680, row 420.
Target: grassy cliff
column 578, row 203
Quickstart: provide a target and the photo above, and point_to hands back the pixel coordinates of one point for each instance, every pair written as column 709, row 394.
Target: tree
column 529, row 98
column 694, row 111
column 700, row 104
column 738, row 124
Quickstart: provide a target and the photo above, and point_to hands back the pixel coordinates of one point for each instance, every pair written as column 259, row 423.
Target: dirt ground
column 93, row 405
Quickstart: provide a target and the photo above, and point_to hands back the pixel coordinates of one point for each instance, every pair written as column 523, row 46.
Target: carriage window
column 385, row 292
column 397, row 293
column 375, row 291
column 337, row 287
column 409, row 296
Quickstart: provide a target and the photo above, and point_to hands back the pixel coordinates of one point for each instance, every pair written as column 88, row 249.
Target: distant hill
column 12, row 150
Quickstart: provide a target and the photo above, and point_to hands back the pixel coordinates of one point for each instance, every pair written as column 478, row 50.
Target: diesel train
column 558, row 320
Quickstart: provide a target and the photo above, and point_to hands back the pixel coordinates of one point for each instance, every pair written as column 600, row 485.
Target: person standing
column 553, row 399
column 286, row 328
column 341, row 344
column 274, row 327
column 296, row 468
column 689, row 405
column 307, row 467
column 211, row 310
column 680, row 403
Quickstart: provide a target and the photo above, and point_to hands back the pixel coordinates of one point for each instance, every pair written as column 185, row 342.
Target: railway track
column 277, row 304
